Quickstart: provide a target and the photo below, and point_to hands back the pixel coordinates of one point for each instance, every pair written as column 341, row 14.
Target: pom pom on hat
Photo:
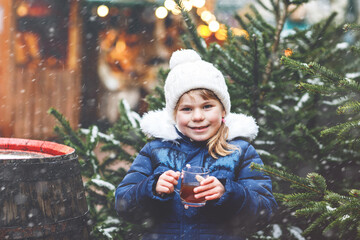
column 189, row 72
column 183, row 56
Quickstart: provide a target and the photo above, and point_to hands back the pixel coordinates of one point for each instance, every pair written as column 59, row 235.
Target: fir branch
column 320, row 71
column 318, row 222
column 317, row 181
column 235, row 68
column 349, row 84
column 257, row 25
column 325, row 73
column 256, row 79
column 264, row 24
column 355, row 193
column 198, row 41
column 66, row 128
column 264, row 6
column 296, row 65
column 301, row 182
column 324, row 90
column 349, row 107
column 241, row 22
column 351, row 27
column 297, row 199
column 281, row 16
column 315, row 208
column 342, row 128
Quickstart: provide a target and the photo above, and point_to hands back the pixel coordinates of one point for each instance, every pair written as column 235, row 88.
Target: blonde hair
column 217, row 144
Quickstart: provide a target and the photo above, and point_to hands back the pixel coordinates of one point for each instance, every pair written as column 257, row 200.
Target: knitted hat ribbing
column 187, row 72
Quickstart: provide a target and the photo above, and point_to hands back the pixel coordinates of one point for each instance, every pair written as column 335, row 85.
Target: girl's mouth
column 199, row 128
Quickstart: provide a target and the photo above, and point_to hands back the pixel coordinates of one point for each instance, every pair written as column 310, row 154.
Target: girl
column 196, row 128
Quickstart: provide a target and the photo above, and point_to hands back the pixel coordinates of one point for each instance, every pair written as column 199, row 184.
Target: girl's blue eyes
column 189, row 109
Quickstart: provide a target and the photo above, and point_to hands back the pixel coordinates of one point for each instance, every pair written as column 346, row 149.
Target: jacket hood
column 158, row 124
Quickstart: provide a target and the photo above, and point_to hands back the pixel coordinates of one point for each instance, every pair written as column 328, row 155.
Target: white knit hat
column 187, row 72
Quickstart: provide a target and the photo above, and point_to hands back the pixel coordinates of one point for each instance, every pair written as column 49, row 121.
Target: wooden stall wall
column 6, row 66
column 33, row 90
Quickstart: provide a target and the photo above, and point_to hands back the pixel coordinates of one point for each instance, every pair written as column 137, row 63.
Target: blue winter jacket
column 246, row 204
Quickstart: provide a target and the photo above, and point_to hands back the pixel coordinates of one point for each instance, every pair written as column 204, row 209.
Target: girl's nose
column 198, row 115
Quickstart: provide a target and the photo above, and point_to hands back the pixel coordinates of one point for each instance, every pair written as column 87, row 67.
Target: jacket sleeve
column 249, row 197
column 135, row 193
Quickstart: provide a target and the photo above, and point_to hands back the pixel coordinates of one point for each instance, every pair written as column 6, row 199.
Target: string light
column 170, row 4
column 221, row 34
column 161, row 12
column 203, row 31
column 198, row 3
column 102, row 11
column 187, row 5
column 22, row 10
column 176, row 11
column 214, row 26
column 206, row 16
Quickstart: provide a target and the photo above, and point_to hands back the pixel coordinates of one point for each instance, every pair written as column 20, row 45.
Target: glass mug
column 191, row 178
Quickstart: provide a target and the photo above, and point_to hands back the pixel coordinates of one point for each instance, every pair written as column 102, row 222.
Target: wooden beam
column 6, row 67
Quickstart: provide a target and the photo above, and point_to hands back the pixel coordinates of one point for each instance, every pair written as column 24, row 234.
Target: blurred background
column 82, row 56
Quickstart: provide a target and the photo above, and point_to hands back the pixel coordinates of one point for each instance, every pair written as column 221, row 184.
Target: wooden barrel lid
column 17, row 148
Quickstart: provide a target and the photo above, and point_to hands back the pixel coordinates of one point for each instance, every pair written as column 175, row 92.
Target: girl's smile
column 198, row 118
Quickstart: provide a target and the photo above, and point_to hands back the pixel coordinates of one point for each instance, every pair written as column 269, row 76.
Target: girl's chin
column 199, row 138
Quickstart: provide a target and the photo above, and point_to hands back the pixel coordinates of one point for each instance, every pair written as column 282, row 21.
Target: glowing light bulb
column 102, row 11
column 22, row 10
column 214, row 26
column 170, row 4
column 221, row 34
column 187, row 5
column 161, row 12
column 198, row 3
column 206, row 16
column 176, row 11
column 203, row 31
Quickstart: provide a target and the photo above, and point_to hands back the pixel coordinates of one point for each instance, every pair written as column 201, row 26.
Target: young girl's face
column 198, row 118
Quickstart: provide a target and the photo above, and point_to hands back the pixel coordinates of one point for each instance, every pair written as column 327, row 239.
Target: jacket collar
column 158, row 124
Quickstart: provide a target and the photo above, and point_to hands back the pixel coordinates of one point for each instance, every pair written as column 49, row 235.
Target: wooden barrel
column 41, row 191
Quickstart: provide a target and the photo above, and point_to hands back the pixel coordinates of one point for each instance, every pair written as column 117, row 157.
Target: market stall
column 39, row 66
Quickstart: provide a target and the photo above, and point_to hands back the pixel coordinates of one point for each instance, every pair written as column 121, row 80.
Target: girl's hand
column 166, row 182
column 210, row 188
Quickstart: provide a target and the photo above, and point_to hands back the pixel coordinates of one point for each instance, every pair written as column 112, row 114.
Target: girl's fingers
column 170, row 176
column 165, row 187
column 173, row 174
column 213, row 197
column 206, row 184
column 169, row 179
column 210, row 192
column 210, row 188
column 208, row 180
column 166, row 182
column 161, row 189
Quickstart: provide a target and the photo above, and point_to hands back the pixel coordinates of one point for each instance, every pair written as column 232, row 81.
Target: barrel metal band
column 60, row 227
column 34, row 172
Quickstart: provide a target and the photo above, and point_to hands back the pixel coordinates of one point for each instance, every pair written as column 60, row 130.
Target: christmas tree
column 270, row 87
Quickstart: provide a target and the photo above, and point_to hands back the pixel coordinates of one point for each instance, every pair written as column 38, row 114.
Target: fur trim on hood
column 158, row 124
